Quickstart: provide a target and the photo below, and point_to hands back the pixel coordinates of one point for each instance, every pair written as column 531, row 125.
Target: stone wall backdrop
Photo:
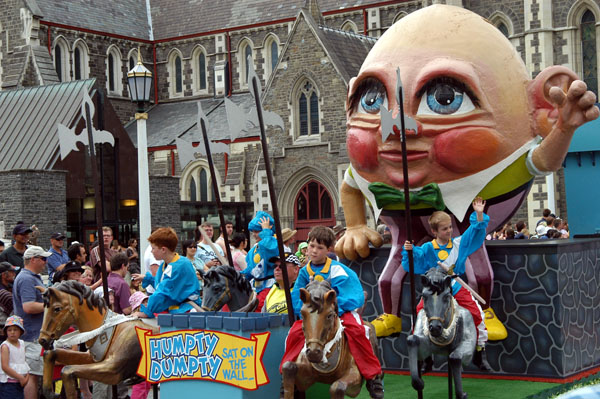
column 165, row 202
column 546, row 293
column 34, row 197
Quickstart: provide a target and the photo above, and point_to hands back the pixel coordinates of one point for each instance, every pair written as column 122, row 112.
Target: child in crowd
column 136, row 300
column 301, row 253
column 14, row 373
column 453, row 252
column 350, row 297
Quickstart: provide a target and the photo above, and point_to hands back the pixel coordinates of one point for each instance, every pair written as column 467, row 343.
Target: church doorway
column 313, row 206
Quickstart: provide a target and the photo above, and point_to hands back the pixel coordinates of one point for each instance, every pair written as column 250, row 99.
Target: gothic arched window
column 588, row 51
column 307, row 110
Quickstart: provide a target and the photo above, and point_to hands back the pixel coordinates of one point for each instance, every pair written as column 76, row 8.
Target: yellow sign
column 203, row 355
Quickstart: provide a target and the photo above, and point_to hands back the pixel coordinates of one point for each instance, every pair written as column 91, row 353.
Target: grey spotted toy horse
column 442, row 327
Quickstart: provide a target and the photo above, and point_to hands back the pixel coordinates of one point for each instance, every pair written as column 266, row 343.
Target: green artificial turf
column 398, row 386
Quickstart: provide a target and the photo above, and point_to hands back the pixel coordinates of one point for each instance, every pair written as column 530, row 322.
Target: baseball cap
column 7, row 267
column 57, row 236
column 288, row 258
column 33, row 250
column 20, row 228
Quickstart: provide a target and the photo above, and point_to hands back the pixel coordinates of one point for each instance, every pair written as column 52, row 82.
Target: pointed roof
column 18, row 63
column 29, row 119
column 120, row 17
column 346, row 50
column 168, row 121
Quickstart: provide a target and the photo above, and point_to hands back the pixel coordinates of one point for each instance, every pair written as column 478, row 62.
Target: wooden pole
column 407, row 215
column 265, row 150
column 99, row 213
column 216, row 191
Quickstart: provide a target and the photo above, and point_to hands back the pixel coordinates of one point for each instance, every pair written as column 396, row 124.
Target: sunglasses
column 42, row 258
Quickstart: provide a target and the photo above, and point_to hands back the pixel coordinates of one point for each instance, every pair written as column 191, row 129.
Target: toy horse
column 442, row 327
column 325, row 357
column 113, row 355
column 223, row 285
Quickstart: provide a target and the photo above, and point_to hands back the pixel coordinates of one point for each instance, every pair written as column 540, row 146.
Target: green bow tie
column 387, row 195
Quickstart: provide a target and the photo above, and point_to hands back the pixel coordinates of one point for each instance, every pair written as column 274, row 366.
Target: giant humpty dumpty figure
column 482, row 128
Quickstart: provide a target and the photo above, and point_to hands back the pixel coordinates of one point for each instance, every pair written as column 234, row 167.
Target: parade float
column 436, row 117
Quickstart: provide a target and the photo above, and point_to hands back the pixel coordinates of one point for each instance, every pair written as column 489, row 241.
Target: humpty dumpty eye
column 446, row 96
column 369, row 97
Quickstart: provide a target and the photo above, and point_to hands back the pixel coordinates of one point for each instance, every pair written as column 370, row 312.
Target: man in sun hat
column 287, row 235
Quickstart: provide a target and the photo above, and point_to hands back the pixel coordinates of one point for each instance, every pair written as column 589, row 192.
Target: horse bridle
column 443, row 319
column 62, row 320
column 218, row 304
column 448, row 333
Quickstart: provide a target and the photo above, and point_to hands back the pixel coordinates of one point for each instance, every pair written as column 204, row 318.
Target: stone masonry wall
column 34, row 197
column 545, row 293
column 165, row 202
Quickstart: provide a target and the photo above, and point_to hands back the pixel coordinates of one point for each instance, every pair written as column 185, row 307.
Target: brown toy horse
column 326, row 357
column 72, row 303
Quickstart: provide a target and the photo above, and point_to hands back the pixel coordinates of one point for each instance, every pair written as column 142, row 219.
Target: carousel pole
column 215, row 188
column 407, row 215
column 99, row 213
column 265, row 150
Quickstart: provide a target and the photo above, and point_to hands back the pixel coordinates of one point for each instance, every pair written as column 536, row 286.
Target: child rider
column 350, row 296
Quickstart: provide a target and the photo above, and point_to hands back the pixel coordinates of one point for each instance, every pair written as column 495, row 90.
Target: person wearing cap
column 14, row 254
column 29, row 305
column 71, row 271
column 275, row 301
column 287, row 235
column 7, row 277
column 259, row 269
column 14, row 370
column 141, row 390
column 59, row 257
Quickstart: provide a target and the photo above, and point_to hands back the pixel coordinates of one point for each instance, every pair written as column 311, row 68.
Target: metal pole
column 407, row 215
column 145, row 220
column 265, row 150
column 449, row 379
column 216, row 191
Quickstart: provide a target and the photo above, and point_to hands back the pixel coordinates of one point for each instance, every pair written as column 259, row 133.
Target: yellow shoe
column 387, row 324
column 496, row 330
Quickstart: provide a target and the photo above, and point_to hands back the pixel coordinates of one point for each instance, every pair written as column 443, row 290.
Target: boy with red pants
column 349, row 297
column 453, row 252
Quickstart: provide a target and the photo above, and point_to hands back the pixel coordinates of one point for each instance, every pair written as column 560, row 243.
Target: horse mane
column 233, row 275
column 79, row 290
column 317, row 291
column 437, row 279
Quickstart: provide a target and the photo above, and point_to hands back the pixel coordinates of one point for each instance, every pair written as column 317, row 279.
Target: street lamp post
column 140, row 82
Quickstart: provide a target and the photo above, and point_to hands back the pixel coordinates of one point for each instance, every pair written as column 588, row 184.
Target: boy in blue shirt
column 453, row 252
column 177, row 288
column 350, row 296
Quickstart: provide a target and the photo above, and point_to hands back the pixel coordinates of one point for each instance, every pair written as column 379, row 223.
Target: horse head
column 62, row 311
column 215, row 291
column 320, row 320
column 437, row 300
